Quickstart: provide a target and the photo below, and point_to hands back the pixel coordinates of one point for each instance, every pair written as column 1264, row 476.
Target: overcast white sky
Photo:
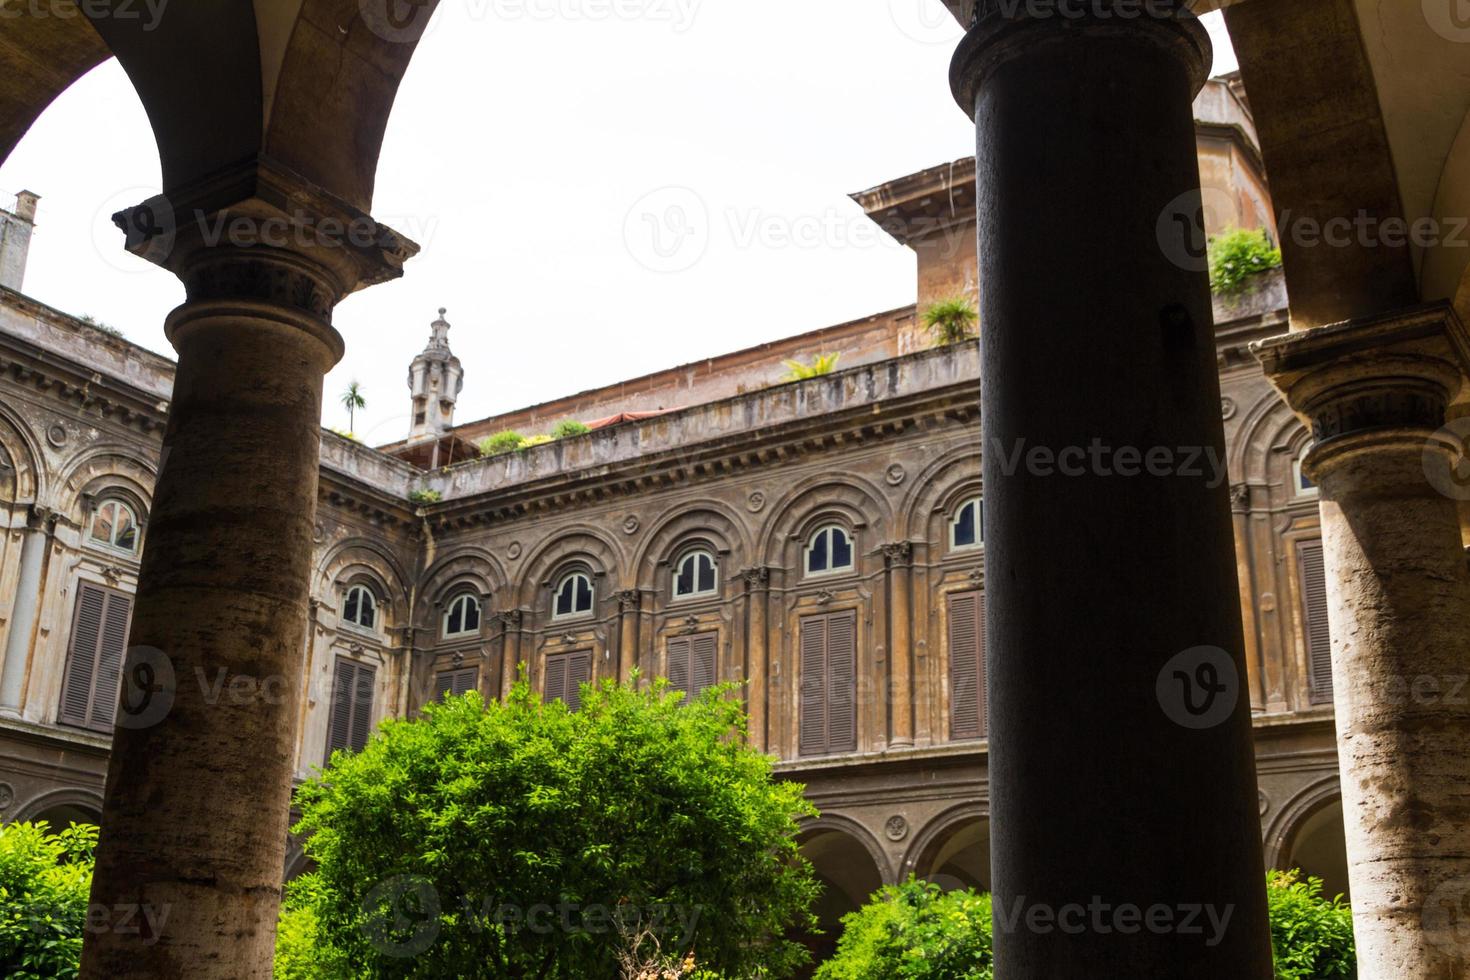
column 531, row 147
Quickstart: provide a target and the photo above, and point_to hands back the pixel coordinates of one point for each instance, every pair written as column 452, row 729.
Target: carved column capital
column 510, row 619
column 900, row 553
column 756, row 579
column 629, row 600
column 41, row 518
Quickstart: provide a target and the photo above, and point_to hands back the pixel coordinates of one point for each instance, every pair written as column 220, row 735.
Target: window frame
column 694, row 554
column 355, row 624
column 575, row 613
column 110, row 543
column 1299, row 492
column 828, row 529
column 473, row 602
column 978, row 502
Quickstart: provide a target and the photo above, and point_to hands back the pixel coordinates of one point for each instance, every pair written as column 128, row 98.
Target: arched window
column 965, row 528
column 462, row 618
column 1301, row 484
column 695, row 574
column 360, row 608
column 115, row 525
column 829, row 550
column 573, row 596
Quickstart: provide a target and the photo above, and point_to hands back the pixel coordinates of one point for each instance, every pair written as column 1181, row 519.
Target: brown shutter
column 679, row 667
column 455, row 682
column 966, row 665
column 813, row 686
column 703, row 655
column 842, row 682
column 362, row 707
column 1314, row 620
column 351, row 719
column 579, row 672
column 556, row 678
column 99, row 637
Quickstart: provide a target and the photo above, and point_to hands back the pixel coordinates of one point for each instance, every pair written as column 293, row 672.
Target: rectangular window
column 455, row 682
column 352, row 707
column 1313, row 578
column 94, row 658
column 828, row 700
column 565, row 675
column 969, row 702
column 692, row 662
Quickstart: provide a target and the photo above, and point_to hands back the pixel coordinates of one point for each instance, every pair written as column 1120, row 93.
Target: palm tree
column 352, row 400
column 951, row 321
column 820, row 365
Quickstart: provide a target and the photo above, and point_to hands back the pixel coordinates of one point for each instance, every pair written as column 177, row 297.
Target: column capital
column 41, row 518
column 509, row 620
column 1397, row 371
column 899, row 553
column 1001, row 31
column 629, row 600
column 756, row 579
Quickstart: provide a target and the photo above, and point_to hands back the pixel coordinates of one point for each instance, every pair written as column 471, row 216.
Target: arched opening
column 848, row 874
column 958, row 857
column 1319, row 849
column 63, row 815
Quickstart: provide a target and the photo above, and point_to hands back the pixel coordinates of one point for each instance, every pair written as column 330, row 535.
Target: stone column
column 24, row 610
column 900, row 645
column 510, row 663
column 1123, row 790
column 757, row 693
column 630, row 605
column 1398, row 590
column 195, row 817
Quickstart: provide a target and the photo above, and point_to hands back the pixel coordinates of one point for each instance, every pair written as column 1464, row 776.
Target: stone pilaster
column 1390, row 475
column 197, row 802
column 757, row 692
column 510, row 644
column 1111, row 594
column 40, row 522
column 630, row 608
column 900, row 559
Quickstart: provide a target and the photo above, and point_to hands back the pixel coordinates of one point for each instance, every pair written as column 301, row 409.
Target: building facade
column 819, row 541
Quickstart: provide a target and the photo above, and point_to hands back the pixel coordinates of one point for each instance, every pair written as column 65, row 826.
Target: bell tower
column 435, row 379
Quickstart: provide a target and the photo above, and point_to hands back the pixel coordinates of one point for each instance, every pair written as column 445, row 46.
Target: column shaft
column 1110, row 570
column 757, row 690
column 23, row 615
column 900, row 647
column 510, row 664
column 630, row 604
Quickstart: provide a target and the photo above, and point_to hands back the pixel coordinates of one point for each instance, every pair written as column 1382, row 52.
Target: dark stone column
column 194, row 822
column 1126, row 839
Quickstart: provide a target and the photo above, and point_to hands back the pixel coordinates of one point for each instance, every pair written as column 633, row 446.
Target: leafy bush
column 45, row 879
column 915, row 931
column 569, row 428
column 524, row 839
column 1237, row 255
column 951, row 321
column 1311, row 935
column 820, row 365
column 534, row 441
column 425, row 496
column 501, row 442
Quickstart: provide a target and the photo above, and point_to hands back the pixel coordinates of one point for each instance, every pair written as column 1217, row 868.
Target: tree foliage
column 567, row 428
column 501, row 442
column 821, row 364
column 1237, row 255
column 45, row 879
column 1311, row 935
column 915, row 931
column 951, row 321
column 526, row 840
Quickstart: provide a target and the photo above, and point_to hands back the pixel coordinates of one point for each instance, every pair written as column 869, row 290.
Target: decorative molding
column 509, row 619
column 896, row 828
column 631, row 524
column 755, row 579
column 234, row 276
column 756, row 502
column 899, row 553
column 895, row 474
column 629, row 600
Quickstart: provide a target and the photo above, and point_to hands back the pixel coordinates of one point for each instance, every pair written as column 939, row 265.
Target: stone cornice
column 78, row 389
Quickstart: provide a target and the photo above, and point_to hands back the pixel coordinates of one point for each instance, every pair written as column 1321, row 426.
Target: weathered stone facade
column 748, row 471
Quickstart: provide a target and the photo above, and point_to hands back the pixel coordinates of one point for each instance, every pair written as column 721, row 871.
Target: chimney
column 15, row 239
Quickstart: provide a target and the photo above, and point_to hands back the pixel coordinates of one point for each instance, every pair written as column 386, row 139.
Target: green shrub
column 425, row 496
column 535, row 441
column 662, row 833
column 1237, row 255
column 1311, row 935
column 951, row 321
column 820, row 365
column 501, row 442
column 568, row 428
column 45, row 879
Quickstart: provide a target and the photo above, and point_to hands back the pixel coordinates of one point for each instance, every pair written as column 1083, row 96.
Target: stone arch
column 939, row 488
column 707, row 522
column 107, row 471
column 1269, row 434
column 953, row 848
column 1308, row 833
column 817, row 500
column 467, row 569
column 73, row 802
column 20, row 452
column 362, row 560
column 580, row 543
column 849, row 864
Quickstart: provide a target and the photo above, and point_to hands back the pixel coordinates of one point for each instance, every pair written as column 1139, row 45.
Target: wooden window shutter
column 351, row 718
column 99, row 638
column 704, row 649
column 455, row 682
column 842, row 682
column 579, row 672
column 1314, row 620
column 679, row 664
column 813, row 689
column 968, row 705
column 556, row 678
